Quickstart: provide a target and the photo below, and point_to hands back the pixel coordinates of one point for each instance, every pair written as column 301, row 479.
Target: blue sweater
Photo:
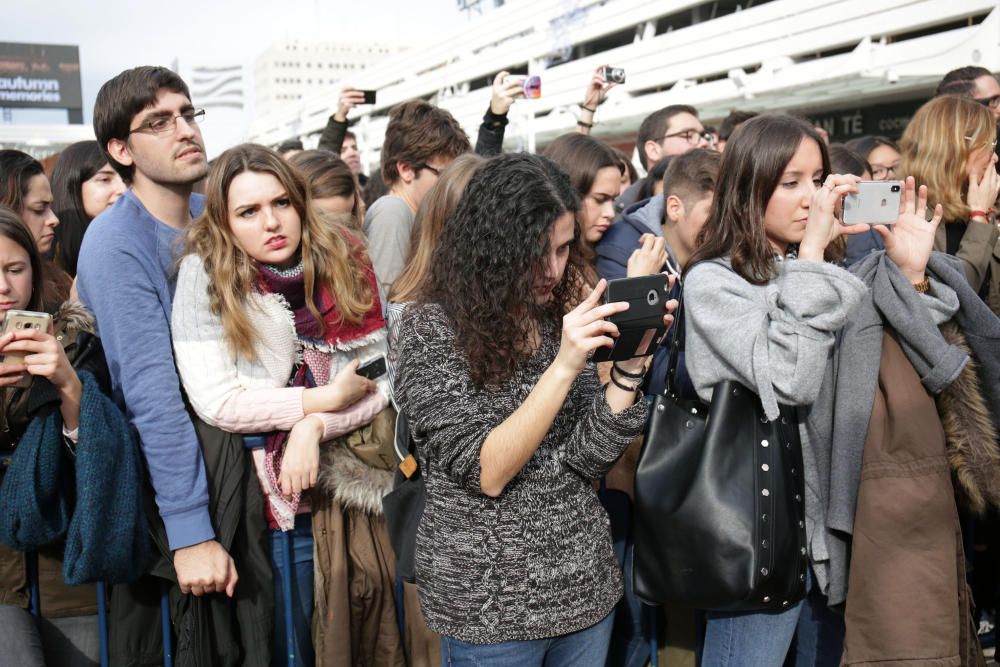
column 126, row 276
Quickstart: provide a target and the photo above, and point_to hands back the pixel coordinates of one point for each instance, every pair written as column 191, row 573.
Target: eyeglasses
column 880, row 173
column 691, row 136
column 991, row 102
column 162, row 124
column 433, row 170
column 986, row 144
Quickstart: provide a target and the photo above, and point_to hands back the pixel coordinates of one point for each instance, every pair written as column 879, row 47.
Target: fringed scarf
column 318, row 347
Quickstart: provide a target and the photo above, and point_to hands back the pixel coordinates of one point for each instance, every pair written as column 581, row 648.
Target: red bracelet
column 981, row 214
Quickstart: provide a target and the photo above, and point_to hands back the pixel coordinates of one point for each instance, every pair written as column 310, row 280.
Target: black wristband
column 624, row 387
column 634, row 376
column 586, row 125
column 584, row 106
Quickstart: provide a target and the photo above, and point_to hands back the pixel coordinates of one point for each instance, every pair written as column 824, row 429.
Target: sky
column 114, row 35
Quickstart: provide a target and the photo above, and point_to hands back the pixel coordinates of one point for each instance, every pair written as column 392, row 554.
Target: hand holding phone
column 642, row 325
column 20, row 322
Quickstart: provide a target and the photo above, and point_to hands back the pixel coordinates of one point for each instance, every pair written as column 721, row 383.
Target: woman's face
column 884, row 161
column 101, row 190
column 335, row 204
column 263, row 221
column 788, row 208
column 981, row 157
column 551, row 274
column 15, row 277
column 37, row 212
column 598, row 207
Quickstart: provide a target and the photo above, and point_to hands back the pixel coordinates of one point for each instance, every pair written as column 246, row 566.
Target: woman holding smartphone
column 763, row 307
column 65, row 369
column 514, row 558
column 274, row 311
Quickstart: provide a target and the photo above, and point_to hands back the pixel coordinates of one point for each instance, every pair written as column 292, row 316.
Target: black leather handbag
column 719, row 514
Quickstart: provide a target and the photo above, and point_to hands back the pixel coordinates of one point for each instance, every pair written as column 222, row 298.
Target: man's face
column 988, row 92
column 427, row 176
column 175, row 156
column 349, row 153
column 684, row 132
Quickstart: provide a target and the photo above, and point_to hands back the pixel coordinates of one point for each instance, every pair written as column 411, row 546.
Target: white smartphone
column 876, row 203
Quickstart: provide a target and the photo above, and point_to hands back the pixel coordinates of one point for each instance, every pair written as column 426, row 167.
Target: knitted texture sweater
column 537, row 561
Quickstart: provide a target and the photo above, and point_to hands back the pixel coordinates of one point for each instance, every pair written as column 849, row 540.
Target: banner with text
column 40, row 76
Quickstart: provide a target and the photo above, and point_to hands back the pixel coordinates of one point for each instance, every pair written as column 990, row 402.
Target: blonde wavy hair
column 437, row 205
column 331, row 256
column 936, row 151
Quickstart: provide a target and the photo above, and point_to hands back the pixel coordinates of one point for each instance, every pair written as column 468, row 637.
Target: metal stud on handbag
column 719, row 516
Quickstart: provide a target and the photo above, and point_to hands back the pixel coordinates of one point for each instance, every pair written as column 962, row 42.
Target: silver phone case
column 874, row 204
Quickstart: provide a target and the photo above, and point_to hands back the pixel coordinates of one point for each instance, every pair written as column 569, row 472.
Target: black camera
column 895, row 188
column 614, row 74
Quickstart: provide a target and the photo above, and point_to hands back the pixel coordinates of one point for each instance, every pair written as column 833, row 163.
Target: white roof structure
column 41, row 141
column 801, row 55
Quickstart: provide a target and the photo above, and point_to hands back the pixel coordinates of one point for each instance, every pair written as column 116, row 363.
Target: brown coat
column 354, row 621
column 980, row 255
column 907, row 601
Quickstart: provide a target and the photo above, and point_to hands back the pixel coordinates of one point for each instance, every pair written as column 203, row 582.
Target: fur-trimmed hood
column 971, row 435
column 73, row 318
column 351, row 483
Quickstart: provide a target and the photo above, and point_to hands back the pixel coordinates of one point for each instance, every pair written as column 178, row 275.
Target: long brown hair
column 752, row 165
column 936, row 151
column 12, row 228
column 435, row 208
column 330, row 256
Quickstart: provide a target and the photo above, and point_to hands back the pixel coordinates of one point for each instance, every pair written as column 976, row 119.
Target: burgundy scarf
column 315, row 369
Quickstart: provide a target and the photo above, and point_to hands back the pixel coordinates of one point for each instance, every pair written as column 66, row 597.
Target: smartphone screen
column 369, row 96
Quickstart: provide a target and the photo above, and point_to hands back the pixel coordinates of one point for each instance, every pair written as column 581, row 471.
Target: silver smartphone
column 876, row 203
column 17, row 321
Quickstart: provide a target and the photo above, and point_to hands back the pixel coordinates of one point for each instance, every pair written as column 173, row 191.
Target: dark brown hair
column 329, row 176
column 417, row 132
column 692, row 175
column 655, row 125
column 12, row 228
column 947, row 85
column 16, row 171
column 121, row 98
column 581, row 157
column 752, row 166
column 487, row 258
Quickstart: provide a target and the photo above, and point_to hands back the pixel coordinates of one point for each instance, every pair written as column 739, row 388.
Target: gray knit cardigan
column 537, row 561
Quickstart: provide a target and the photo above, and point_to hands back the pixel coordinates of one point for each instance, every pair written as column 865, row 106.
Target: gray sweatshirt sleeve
column 774, row 338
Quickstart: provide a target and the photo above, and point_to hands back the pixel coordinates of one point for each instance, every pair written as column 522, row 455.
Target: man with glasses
column 147, row 127
column 673, row 130
column 420, row 141
column 976, row 82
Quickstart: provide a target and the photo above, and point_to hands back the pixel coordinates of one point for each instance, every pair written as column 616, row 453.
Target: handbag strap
column 676, row 341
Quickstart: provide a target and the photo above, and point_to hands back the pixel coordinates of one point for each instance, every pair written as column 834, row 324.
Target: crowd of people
column 242, row 360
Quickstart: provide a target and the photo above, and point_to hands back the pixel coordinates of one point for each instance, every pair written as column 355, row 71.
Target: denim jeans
column 67, row 642
column 762, row 639
column 302, row 594
column 584, row 648
column 629, row 645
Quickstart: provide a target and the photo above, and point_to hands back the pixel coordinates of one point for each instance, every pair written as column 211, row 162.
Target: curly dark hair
column 490, row 250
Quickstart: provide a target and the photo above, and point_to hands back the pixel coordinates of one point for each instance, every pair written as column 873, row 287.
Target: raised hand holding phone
column 910, row 242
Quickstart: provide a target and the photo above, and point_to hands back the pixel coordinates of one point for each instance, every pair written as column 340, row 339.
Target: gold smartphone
column 17, row 321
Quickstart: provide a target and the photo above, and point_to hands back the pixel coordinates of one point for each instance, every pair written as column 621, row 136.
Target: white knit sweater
column 253, row 396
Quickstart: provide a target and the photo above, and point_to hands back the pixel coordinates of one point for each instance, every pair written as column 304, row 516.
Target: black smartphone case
column 646, row 296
